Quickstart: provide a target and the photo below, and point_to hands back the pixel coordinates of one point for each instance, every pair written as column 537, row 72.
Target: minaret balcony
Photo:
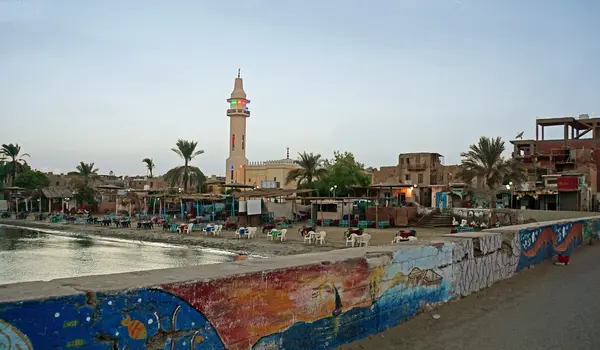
column 238, row 111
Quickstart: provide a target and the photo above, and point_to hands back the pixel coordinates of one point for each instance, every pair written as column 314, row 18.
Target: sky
column 114, row 81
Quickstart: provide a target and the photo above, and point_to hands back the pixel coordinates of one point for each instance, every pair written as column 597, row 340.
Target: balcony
column 416, row 167
column 238, row 111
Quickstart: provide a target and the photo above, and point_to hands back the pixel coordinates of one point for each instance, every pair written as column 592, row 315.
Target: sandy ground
column 259, row 246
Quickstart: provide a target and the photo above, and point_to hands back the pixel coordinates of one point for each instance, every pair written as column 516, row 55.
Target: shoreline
column 259, row 247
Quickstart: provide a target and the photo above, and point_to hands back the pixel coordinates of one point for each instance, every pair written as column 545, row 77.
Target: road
column 547, row 307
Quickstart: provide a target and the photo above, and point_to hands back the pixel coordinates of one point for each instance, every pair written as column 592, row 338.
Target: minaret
column 238, row 112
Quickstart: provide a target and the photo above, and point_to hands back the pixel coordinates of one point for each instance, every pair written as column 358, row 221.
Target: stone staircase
column 443, row 219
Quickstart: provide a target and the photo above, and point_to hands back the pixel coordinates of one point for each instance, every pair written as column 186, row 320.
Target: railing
column 242, row 111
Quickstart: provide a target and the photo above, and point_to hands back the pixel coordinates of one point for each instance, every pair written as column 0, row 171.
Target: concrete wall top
column 516, row 228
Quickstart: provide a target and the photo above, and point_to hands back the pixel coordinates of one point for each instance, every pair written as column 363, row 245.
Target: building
column 548, row 161
column 267, row 174
column 420, row 177
column 214, row 185
column 421, row 169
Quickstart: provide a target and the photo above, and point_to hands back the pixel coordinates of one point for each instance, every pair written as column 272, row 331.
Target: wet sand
column 227, row 241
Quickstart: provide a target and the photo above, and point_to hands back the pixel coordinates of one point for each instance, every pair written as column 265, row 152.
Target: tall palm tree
column 15, row 162
column 484, row 159
column 87, row 172
column 311, row 168
column 185, row 174
column 149, row 165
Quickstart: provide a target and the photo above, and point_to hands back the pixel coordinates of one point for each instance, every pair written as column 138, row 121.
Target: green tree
column 84, row 194
column 86, row 172
column 149, row 165
column 15, row 163
column 186, row 174
column 484, row 160
column 312, row 168
column 32, row 180
column 3, row 174
column 343, row 172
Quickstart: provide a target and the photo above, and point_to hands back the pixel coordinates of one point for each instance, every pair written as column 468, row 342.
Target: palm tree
column 149, row 164
column 484, row 159
column 14, row 160
column 185, row 174
column 87, row 172
column 311, row 168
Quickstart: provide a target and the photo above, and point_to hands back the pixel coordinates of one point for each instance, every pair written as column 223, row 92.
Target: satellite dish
column 520, row 135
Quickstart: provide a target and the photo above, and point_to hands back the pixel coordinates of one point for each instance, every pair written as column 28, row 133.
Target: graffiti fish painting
column 12, row 338
column 136, row 329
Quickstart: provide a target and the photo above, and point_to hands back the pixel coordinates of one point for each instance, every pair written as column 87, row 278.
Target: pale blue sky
column 114, row 81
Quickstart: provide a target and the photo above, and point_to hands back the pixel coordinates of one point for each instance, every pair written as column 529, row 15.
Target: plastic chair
column 321, row 237
column 281, row 235
column 238, row 232
column 351, row 239
column 364, row 240
column 308, row 237
column 252, row 232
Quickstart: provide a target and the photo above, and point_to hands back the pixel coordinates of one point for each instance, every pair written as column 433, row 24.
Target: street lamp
column 332, row 189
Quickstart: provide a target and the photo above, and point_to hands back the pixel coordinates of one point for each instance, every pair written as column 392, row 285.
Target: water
column 29, row 255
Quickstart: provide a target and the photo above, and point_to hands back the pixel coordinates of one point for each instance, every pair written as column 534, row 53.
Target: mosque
column 266, row 174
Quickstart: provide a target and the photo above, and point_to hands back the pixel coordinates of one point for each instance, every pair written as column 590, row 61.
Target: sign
column 567, row 183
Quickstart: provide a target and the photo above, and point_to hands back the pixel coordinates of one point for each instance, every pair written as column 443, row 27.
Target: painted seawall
column 309, row 301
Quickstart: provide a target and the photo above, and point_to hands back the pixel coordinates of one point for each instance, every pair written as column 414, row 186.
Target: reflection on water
column 27, row 255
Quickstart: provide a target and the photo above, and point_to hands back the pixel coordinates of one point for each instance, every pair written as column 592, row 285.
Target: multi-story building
column 421, row 169
column 420, row 177
column 573, row 155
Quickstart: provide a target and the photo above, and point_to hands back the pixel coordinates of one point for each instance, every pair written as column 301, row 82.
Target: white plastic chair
column 308, row 237
column 321, row 237
column 189, row 228
column 365, row 238
column 252, row 232
column 237, row 232
column 281, row 235
column 218, row 230
column 351, row 239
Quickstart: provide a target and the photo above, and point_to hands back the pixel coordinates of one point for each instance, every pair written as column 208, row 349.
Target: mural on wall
column 541, row 243
column 135, row 320
column 312, row 306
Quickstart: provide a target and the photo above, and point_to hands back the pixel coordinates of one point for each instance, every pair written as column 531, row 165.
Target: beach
column 259, row 246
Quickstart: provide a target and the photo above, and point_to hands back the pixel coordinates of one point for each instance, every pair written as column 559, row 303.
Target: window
column 233, row 142
column 249, row 181
column 274, row 179
column 418, row 159
column 243, row 141
column 401, row 160
column 407, row 177
column 57, row 183
column 420, row 178
column 151, row 184
column 231, row 174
